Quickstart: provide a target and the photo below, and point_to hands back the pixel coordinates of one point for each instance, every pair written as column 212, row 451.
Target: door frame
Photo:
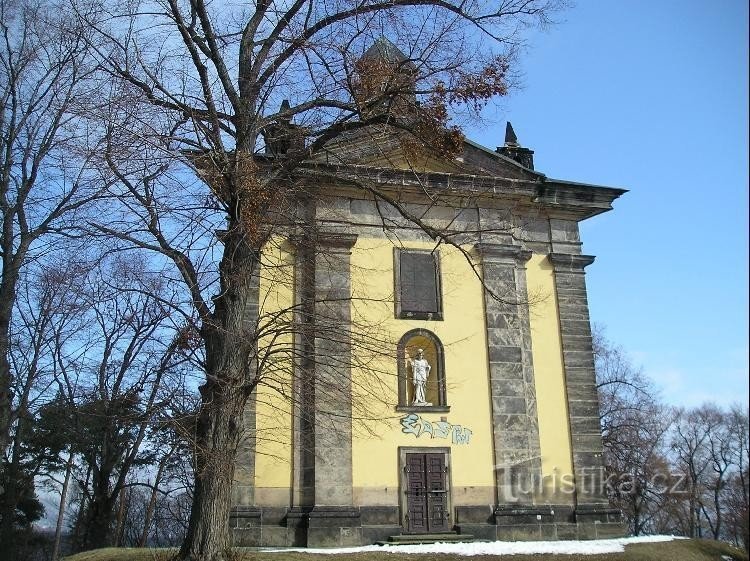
column 402, row 482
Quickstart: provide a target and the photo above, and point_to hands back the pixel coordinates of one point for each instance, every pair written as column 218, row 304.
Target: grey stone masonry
column 244, row 478
column 333, row 521
column 333, row 416
column 514, row 409
column 244, row 518
column 303, row 434
column 580, row 379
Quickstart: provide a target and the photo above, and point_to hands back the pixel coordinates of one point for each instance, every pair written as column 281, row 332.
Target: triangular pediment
column 387, row 148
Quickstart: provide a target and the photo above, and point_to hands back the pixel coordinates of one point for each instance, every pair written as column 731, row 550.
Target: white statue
column 420, row 370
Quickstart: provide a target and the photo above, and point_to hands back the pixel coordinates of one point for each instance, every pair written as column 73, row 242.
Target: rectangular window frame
column 399, row 312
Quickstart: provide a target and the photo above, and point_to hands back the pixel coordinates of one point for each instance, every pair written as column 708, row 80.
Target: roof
column 383, row 49
column 374, row 154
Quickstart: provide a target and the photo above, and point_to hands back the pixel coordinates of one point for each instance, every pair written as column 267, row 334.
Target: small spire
column 383, row 49
column 513, row 150
column 510, row 135
column 389, row 81
column 285, row 106
column 282, row 135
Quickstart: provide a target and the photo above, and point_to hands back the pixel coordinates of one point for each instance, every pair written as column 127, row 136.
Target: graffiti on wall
column 416, row 425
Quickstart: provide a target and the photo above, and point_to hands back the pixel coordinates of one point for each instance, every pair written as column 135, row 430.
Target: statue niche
column 421, row 380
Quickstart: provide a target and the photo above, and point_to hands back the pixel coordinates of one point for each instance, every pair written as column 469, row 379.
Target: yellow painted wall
column 273, row 414
column 462, row 333
column 376, row 425
column 549, row 375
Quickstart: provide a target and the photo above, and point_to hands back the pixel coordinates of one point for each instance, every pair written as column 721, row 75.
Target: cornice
column 564, row 199
column 567, row 261
column 503, row 252
column 332, row 241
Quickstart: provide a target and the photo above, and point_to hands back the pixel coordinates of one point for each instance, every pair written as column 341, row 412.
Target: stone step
column 414, row 539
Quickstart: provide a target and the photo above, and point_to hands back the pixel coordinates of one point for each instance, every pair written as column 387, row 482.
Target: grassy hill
column 678, row 550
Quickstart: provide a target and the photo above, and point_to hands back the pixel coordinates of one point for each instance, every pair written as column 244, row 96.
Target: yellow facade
column 549, row 374
column 377, row 430
column 481, row 417
column 375, row 461
column 273, row 433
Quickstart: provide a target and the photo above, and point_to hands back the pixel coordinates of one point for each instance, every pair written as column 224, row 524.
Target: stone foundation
column 351, row 526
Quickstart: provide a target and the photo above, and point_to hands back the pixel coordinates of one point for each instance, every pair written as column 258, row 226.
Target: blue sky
column 653, row 97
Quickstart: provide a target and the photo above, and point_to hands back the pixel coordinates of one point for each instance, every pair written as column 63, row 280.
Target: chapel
column 437, row 377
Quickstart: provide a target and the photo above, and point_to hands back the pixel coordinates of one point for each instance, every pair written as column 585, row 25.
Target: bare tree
column 152, row 488
column 635, row 427
column 682, row 472
column 691, row 447
column 721, row 454
column 47, row 178
column 206, row 85
column 41, row 318
column 710, row 450
column 115, row 371
column 738, row 487
column 48, row 181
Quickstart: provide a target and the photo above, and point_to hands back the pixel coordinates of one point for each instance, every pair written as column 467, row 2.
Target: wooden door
column 426, row 493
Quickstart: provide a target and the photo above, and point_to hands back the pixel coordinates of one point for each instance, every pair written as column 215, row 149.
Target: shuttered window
column 418, row 285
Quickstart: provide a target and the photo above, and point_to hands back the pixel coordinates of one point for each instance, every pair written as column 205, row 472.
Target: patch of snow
column 589, row 547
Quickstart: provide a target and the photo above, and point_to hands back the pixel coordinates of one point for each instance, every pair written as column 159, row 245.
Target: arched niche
column 435, row 391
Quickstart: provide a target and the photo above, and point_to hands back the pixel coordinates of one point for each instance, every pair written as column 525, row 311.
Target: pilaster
column 244, row 517
column 580, row 381
column 565, row 236
column 514, row 410
column 333, row 393
column 244, row 478
column 324, row 478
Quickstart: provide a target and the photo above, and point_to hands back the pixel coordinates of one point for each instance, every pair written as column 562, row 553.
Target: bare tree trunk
column 698, row 529
column 219, row 435
column 230, row 380
column 152, row 499
column 636, row 517
column 149, row 514
column 79, row 528
column 716, row 529
column 99, row 524
column 7, row 526
column 61, row 508
column 10, row 501
column 7, row 297
column 120, row 521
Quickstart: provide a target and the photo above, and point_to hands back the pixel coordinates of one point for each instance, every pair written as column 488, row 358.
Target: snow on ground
column 590, row 547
